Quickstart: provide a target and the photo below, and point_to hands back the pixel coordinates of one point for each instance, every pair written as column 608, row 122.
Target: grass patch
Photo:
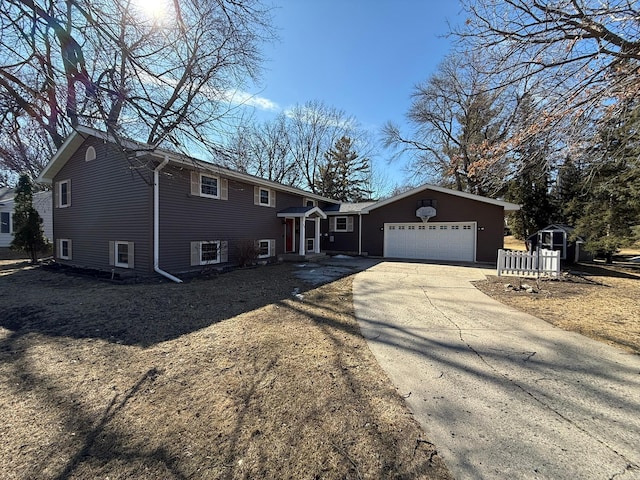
column 229, row 377
column 598, row 301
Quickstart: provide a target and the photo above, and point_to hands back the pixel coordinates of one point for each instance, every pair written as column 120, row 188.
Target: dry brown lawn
column 228, row 377
column 599, row 301
column 512, row 243
column 231, row 376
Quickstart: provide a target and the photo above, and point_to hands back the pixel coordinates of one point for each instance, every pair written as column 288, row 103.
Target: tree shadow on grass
column 58, row 305
column 104, row 448
column 601, row 270
column 107, row 439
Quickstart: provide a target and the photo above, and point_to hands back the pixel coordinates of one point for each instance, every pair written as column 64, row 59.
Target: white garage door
column 431, row 241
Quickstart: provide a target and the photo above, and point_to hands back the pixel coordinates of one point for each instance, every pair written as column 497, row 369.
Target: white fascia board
column 78, row 136
column 68, row 148
column 306, row 214
column 352, row 213
column 71, row 145
column 506, row 205
column 107, row 137
column 245, row 177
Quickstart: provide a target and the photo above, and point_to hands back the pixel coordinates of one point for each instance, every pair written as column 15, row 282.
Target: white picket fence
column 540, row 262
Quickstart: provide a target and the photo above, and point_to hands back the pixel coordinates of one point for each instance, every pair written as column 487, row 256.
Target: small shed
column 559, row 237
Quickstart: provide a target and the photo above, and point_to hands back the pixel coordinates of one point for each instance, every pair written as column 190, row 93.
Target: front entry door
column 289, row 237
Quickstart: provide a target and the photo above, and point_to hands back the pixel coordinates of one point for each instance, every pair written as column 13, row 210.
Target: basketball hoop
column 425, row 213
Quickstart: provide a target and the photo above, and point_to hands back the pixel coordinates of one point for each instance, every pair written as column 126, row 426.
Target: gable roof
column 555, row 227
column 6, row 193
column 8, row 196
column 301, row 212
column 80, row 134
column 509, row 207
column 558, row 226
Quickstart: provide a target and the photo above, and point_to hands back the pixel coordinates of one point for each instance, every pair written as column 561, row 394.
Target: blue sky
column 361, row 56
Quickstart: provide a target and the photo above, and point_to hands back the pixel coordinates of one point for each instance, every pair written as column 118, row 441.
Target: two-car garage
column 424, row 223
column 451, row 241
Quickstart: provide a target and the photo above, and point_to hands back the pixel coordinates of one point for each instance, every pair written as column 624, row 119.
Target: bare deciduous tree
column 263, row 149
column 461, row 125
column 314, row 128
column 24, row 149
column 109, row 64
column 291, row 148
column 588, row 51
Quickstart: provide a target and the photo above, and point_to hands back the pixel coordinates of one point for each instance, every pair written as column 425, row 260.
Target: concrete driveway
column 501, row 393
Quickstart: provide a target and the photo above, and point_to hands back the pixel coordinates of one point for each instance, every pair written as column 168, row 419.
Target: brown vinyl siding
column 110, row 200
column 186, row 218
column 450, row 208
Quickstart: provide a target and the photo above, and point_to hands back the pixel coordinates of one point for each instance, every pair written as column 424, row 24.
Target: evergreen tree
column 530, row 190
column 570, row 194
column 343, row 175
column 28, row 234
column 613, row 183
column 529, row 186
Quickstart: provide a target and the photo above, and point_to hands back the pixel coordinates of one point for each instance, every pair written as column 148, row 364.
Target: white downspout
column 156, row 222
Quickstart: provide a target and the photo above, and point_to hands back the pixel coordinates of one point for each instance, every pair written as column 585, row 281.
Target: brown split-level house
column 126, row 207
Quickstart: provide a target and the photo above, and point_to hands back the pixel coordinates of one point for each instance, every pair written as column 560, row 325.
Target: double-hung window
column 264, row 197
column 5, row 222
column 63, row 194
column 122, row 254
column 341, row 224
column 266, row 248
column 209, row 252
column 209, row 186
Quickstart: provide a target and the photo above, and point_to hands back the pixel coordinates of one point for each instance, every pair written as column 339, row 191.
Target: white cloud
column 234, row 97
column 237, row 97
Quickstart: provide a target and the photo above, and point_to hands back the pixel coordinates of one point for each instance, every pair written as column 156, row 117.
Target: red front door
column 289, row 234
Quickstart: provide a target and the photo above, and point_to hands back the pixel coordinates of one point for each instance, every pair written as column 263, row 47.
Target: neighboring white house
column 41, row 201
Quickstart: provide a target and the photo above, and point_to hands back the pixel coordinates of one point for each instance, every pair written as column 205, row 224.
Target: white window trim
column 305, row 201
column 346, row 224
column 207, row 195
column 218, row 256
column 268, row 195
column 116, row 261
column 310, row 242
column 196, row 186
column 59, row 193
column 60, row 249
column 10, row 224
column 196, row 252
column 550, row 246
column 257, row 197
column 271, row 244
